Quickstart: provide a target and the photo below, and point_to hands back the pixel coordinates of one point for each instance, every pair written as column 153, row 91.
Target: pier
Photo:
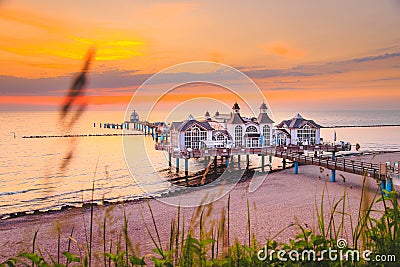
column 227, row 136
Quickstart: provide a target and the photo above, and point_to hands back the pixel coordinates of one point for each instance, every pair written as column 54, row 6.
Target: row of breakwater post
column 157, row 130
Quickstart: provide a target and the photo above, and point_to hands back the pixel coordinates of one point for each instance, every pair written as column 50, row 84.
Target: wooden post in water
column 170, row 160
column 247, row 161
column 284, row 163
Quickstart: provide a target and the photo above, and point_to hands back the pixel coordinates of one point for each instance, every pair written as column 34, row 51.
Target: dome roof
column 134, row 116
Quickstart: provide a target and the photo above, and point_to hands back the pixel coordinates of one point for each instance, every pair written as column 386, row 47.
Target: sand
column 283, row 198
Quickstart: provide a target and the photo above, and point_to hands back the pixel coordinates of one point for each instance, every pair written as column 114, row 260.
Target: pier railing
column 299, row 149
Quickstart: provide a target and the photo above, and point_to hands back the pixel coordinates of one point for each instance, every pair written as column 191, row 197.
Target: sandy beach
column 283, row 199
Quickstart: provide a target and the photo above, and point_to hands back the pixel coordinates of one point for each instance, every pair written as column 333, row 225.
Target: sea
column 42, row 174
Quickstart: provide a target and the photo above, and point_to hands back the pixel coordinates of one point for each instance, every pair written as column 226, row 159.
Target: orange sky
column 303, row 55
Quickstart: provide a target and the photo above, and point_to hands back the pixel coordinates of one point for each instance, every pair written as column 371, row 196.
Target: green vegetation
column 206, row 241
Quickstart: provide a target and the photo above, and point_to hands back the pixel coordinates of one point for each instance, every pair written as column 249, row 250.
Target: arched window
column 306, row 135
column 222, row 138
column 251, row 129
column 267, row 135
column 238, row 135
column 281, row 139
column 193, row 137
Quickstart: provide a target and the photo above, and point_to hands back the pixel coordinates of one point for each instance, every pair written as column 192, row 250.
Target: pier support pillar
column 247, row 160
column 186, row 167
column 333, row 175
column 383, row 185
column 152, row 132
column 296, row 167
column 215, row 163
column 227, row 161
column 284, row 163
column 238, row 160
column 207, row 161
column 262, row 163
column 170, row 160
column 389, row 186
column 177, row 164
column 156, row 137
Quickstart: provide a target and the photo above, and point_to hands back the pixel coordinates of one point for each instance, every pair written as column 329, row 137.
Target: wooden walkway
column 291, row 153
column 340, row 164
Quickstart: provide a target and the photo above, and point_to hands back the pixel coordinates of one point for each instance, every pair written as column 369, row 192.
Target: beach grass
column 206, row 241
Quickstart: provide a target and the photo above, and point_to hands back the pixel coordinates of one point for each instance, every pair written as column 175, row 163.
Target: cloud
column 388, row 79
column 54, row 86
column 117, row 82
column 64, row 40
column 283, row 49
column 379, row 57
column 283, row 88
column 333, row 67
column 167, row 10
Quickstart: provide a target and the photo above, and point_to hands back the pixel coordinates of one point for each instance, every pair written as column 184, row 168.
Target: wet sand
column 283, row 199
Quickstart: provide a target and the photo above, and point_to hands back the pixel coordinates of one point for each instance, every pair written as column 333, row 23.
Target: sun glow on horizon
column 318, row 54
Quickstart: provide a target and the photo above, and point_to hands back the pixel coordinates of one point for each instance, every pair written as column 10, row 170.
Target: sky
column 303, row 55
